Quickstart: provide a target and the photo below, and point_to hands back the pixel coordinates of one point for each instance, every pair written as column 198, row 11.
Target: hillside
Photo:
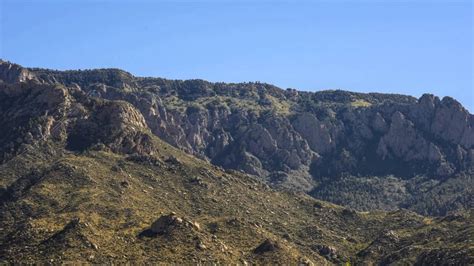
column 367, row 151
column 86, row 180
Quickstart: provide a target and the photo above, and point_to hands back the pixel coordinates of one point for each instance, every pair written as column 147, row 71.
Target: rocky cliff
column 326, row 143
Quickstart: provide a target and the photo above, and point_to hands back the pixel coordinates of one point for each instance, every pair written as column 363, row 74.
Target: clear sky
column 398, row 46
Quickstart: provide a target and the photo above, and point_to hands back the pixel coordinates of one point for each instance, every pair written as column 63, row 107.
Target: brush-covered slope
column 367, row 151
column 83, row 180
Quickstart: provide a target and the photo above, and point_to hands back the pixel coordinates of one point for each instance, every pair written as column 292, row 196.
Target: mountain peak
column 11, row 73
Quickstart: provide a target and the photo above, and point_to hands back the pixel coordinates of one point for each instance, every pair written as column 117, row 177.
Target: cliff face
column 297, row 140
column 33, row 113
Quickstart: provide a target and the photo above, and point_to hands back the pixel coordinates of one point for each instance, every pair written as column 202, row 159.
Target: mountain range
column 100, row 166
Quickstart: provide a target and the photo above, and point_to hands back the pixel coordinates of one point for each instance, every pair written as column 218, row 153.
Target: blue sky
column 408, row 47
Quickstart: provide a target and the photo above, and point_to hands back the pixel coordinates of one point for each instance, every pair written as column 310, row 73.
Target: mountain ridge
column 301, row 140
column 85, row 180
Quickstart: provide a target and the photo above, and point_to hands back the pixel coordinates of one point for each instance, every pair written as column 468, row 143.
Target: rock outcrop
column 33, row 112
column 267, row 246
column 166, row 223
column 12, row 73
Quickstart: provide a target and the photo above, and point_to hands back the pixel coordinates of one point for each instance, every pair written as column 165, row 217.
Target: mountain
column 367, row 151
column 99, row 166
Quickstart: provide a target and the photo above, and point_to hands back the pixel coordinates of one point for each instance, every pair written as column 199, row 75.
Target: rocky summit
column 100, row 166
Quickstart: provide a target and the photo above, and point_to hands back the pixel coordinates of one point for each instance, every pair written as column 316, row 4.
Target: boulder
column 267, row 246
column 166, row 223
column 326, row 251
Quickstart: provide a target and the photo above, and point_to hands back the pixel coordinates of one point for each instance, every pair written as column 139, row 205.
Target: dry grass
column 360, row 103
column 116, row 199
